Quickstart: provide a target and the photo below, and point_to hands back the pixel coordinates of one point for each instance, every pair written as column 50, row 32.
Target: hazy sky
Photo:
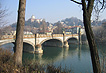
column 50, row 10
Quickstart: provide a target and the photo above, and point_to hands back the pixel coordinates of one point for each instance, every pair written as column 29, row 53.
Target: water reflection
column 77, row 57
column 79, row 52
column 65, row 52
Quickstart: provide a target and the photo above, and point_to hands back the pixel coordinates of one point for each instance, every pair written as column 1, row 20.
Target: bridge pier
column 38, row 49
column 65, row 44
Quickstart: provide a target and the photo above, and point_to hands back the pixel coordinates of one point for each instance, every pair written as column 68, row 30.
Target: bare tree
column 3, row 13
column 6, row 30
column 87, row 7
column 19, row 32
column 59, row 29
column 43, row 26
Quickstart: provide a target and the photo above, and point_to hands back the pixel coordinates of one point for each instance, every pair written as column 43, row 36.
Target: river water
column 77, row 58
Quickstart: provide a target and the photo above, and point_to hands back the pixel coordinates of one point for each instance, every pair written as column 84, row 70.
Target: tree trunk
column 19, row 32
column 87, row 7
column 92, row 45
column 90, row 36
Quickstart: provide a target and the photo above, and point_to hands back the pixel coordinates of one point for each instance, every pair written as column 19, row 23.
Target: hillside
column 31, row 24
column 98, row 23
column 36, row 25
column 68, row 22
column 72, row 21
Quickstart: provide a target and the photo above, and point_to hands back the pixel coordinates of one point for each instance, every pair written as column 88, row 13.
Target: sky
column 50, row 10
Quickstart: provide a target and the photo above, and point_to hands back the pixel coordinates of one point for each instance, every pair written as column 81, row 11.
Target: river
column 77, row 58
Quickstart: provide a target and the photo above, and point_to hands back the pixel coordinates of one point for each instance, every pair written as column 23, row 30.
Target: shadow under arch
column 52, row 43
column 27, row 47
column 72, row 40
column 30, row 43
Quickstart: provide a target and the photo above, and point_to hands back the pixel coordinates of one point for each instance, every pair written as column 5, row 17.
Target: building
column 50, row 27
column 72, row 30
column 37, row 20
column 32, row 18
column 27, row 33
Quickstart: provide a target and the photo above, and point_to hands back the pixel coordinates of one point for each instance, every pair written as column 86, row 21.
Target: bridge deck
column 7, row 37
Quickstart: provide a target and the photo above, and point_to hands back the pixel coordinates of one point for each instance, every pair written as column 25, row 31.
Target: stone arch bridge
column 37, row 40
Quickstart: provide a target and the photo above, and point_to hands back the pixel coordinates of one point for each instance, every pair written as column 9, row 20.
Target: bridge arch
column 25, row 41
column 13, row 41
column 28, row 46
column 46, row 40
column 72, row 40
column 50, row 39
column 6, row 42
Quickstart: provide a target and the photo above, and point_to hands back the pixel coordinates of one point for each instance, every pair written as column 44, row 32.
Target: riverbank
column 7, row 65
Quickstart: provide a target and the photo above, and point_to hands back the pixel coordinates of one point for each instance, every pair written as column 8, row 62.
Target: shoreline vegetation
column 7, row 65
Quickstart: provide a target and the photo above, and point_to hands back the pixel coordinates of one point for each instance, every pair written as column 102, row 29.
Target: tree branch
column 84, row 6
column 90, row 6
column 76, row 2
column 102, row 5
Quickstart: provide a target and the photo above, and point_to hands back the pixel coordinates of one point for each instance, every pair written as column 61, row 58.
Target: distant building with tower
column 34, row 19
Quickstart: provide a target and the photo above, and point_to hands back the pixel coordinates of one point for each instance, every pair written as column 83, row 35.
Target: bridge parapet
column 4, row 37
column 45, row 35
column 42, row 35
column 72, row 35
column 29, row 36
column 57, row 35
